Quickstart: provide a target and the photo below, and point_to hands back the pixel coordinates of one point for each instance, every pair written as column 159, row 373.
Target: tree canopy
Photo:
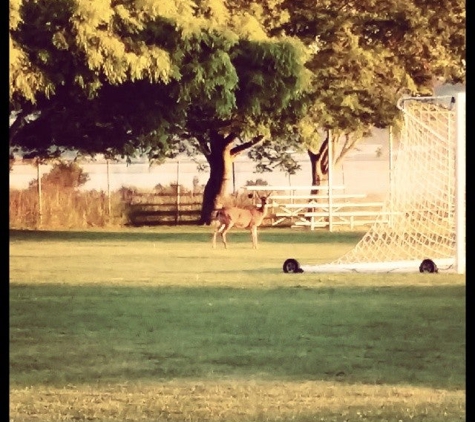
column 186, row 67
column 367, row 54
column 144, row 76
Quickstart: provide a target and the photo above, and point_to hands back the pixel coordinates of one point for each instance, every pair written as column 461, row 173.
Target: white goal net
column 426, row 205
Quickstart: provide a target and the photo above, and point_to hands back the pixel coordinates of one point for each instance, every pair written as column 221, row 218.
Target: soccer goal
column 425, row 230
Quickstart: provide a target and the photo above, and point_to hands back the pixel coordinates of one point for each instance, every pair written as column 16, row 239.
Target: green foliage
column 142, row 78
column 365, row 56
column 270, row 156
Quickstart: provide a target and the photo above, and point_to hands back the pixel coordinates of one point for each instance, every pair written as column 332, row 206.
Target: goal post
column 460, row 177
column 423, row 217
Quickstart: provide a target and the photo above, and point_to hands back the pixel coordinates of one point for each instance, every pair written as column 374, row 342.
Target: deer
column 251, row 219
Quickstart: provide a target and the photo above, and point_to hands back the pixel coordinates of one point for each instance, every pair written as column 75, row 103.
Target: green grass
column 153, row 324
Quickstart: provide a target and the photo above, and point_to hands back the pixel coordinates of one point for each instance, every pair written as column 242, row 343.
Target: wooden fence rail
column 140, row 214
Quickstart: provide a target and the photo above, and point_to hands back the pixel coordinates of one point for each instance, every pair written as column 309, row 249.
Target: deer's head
column 264, row 199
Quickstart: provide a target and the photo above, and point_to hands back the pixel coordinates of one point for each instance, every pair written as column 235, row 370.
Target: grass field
column 155, row 325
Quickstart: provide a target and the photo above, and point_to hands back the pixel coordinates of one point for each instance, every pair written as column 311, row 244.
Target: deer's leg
column 223, row 234
column 219, row 227
column 254, row 237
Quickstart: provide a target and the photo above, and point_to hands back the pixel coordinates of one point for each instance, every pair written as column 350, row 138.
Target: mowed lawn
column 154, row 325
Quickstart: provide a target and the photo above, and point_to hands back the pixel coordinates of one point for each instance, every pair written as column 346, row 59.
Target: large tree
column 367, row 54
column 154, row 78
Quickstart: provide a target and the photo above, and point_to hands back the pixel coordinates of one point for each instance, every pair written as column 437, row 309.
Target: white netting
column 422, row 203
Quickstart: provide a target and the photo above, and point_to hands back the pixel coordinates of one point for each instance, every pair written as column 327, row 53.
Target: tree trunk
column 319, row 165
column 220, row 161
column 316, row 179
column 221, row 156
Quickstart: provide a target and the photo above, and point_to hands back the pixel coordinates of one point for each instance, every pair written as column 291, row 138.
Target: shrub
column 63, row 176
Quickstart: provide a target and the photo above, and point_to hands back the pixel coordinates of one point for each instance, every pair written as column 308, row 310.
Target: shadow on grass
column 177, row 234
column 401, row 335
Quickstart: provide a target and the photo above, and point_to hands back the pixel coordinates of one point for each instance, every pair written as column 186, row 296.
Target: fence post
column 108, row 190
column 40, row 197
column 177, row 215
column 391, row 181
column 330, row 181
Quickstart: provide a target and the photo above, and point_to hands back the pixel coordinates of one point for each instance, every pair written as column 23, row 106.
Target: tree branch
column 347, row 146
column 229, row 139
column 246, row 145
column 202, row 145
column 19, row 123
